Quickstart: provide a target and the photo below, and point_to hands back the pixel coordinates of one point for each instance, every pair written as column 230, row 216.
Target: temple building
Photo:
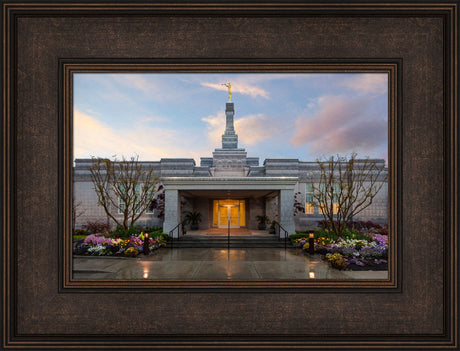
column 228, row 184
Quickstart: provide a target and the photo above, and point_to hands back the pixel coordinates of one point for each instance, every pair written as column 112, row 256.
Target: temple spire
column 229, row 138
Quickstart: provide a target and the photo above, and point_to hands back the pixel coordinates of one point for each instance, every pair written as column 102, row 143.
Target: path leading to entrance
column 215, row 264
column 224, row 232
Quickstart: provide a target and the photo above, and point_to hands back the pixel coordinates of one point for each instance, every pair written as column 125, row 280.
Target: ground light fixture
column 311, row 243
column 146, row 244
column 311, row 275
column 228, row 225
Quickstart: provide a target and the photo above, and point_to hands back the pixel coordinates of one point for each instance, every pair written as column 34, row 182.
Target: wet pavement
column 216, row 264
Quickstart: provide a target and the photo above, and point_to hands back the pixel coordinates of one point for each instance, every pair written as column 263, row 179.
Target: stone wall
column 91, row 211
column 256, row 207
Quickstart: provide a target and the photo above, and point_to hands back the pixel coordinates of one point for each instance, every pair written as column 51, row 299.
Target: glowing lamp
column 311, row 243
column 146, row 245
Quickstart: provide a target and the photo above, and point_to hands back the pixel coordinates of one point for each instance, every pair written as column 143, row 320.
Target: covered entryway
column 218, row 199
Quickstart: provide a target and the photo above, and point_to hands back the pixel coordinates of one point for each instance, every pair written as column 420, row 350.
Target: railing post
column 285, row 240
column 171, row 236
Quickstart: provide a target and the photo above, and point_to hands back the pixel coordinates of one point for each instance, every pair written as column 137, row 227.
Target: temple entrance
column 225, row 210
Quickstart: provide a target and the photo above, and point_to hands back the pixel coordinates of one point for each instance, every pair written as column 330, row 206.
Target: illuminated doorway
column 225, row 209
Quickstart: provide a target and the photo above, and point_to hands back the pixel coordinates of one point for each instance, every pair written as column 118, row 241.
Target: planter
column 368, row 267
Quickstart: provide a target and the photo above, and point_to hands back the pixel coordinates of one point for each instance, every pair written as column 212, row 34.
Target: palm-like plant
column 262, row 220
column 192, row 218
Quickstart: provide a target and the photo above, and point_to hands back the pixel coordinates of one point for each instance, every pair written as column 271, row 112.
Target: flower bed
column 99, row 245
column 369, row 252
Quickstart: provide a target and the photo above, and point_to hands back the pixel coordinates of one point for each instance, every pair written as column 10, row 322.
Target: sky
column 307, row 116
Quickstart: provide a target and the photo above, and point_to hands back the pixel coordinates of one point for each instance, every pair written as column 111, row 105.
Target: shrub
column 80, row 248
column 152, row 229
column 80, row 232
column 131, row 252
column 162, row 236
column 96, row 227
column 337, row 261
column 120, row 232
column 295, row 236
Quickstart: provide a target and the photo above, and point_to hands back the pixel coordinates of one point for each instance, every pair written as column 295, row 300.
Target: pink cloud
column 340, row 126
column 251, row 129
column 368, row 83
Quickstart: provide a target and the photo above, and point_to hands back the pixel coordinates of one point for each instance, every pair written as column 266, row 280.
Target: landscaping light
column 146, row 274
column 311, row 275
column 146, row 245
column 311, row 243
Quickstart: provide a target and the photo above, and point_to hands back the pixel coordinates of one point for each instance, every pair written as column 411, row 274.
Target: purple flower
column 97, row 240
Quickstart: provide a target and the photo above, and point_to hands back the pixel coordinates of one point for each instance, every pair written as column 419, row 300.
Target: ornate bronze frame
column 416, row 43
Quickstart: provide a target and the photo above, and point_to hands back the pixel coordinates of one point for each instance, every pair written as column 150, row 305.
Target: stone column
column 172, row 211
column 286, row 206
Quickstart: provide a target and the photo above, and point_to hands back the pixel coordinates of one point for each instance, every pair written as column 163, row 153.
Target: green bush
column 154, row 232
column 322, row 233
column 120, row 232
column 78, row 237
column 152, row 229
column 163, row 236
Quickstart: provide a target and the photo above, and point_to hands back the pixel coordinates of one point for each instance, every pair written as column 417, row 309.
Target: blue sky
column 160, row 115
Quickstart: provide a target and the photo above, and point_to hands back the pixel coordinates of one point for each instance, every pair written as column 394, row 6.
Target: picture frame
column 71, row 67
column 43, row 308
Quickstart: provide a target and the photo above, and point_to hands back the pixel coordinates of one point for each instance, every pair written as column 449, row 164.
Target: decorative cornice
column 228, row 182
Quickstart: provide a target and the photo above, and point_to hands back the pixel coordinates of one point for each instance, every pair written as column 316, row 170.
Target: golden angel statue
column 229, row 86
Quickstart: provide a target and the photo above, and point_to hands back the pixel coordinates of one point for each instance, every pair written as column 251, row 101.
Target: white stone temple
column 228, row 184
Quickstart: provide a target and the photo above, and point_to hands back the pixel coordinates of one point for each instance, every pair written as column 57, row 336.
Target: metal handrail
column 285, row 234
column 171, row 234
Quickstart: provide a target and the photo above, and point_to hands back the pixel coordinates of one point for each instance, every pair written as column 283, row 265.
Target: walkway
column 224, row 232
column 215, row 264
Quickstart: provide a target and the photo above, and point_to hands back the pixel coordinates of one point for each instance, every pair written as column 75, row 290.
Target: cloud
column 215, row 127
column 251, row 129
column 341, row 126
column 368, row 83
column 136, row 81
column 240, row 87
column 95, row 138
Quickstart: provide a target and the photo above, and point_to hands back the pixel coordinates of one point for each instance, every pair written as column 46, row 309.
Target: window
column 309, row 207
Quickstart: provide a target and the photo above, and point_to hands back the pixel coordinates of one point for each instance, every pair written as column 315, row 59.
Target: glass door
column 226, row 210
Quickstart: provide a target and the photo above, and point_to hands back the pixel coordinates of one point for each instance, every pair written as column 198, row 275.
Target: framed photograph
column 232, row 216
column 181, row 176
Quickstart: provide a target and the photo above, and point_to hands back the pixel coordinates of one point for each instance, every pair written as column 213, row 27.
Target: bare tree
column 124, row 187
column 77, row 211
column 344, row 187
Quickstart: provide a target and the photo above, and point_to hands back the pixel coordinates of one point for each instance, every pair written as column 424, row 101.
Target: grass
column 78, row 237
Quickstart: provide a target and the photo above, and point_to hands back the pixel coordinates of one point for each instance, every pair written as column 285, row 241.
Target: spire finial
column 229, row 86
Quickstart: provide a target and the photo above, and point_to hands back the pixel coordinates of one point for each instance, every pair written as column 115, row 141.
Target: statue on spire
column 229, row 86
